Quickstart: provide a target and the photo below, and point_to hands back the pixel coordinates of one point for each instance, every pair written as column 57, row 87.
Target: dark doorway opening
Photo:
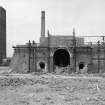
column 81, row 65
column 61, row 58
column 42, row 65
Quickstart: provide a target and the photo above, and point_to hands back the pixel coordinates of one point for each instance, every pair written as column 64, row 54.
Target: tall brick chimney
column 42, row 38
column 43, row 24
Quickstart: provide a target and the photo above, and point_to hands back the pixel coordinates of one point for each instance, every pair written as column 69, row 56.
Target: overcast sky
column 23, row 19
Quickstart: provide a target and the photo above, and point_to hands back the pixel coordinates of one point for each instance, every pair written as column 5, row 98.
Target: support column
column 29, row 62
column 49, row 48
column 74, row 50
column 33, row 52
column 98, row 56
column 35, row 58
column 51, row 63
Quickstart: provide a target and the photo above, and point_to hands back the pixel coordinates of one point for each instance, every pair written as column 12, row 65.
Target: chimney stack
column 43, row 24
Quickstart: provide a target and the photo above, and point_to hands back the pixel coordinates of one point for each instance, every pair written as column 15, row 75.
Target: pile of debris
column 62, row 70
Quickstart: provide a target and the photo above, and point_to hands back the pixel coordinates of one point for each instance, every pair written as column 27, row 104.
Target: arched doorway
column 61, row 58
column 42, row 65
column 81, row 65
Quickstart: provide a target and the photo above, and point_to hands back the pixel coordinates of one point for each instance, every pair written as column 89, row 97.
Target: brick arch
column 61, row 57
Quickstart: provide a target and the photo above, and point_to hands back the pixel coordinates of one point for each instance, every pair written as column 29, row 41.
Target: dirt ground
column 51, row 89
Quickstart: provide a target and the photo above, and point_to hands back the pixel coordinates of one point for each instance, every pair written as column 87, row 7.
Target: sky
column 24, row 19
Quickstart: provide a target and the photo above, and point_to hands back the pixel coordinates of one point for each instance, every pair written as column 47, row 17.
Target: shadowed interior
column 61, row 58
column 81, row 65
column 42, row 65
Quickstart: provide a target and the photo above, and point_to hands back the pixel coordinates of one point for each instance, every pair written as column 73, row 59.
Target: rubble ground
column 51, row 89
